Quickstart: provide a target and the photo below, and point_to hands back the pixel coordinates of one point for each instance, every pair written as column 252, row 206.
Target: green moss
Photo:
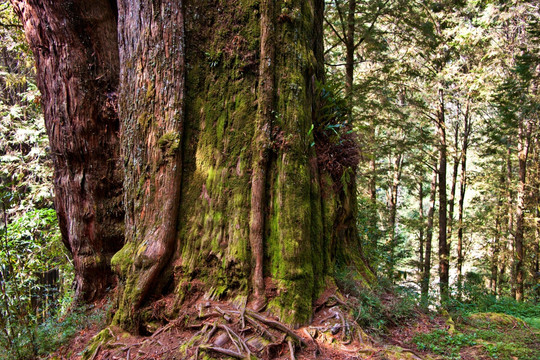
column 496, row 320
column 213, row 232
column 145, row 119
column 170, row 143
column 123, row 259
column 100, row 340
column 150, row 92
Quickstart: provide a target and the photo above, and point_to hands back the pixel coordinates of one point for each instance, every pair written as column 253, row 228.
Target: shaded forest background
column 443, row 101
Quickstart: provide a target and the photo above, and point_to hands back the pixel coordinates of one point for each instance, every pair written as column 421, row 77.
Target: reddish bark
column 75, row 46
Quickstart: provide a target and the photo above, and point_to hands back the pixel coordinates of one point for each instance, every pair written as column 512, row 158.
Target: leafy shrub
column 380, row 307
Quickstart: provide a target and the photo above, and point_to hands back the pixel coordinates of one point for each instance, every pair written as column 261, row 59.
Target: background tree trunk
column 75, row 47
column 392, row 196
column 426, row 275
column 524, row 139
column 444, row 253
column 462, row 190
column 421, row 230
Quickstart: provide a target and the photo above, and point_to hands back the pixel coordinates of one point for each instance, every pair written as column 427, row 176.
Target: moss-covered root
column 103, row 340
column 449, row 321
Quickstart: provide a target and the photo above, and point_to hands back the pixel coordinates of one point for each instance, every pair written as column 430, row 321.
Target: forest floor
column 218, row 330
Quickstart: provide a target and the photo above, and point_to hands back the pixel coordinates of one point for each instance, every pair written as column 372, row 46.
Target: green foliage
column 379, row 307
column 442, row 343
column 484, row 302
column 370, row 234
column 495, row 335
column 48, row 336
column 35, row 271
column 35, row 279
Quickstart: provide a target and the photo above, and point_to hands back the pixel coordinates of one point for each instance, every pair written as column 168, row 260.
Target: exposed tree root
column 220, row 330
column 222, row 351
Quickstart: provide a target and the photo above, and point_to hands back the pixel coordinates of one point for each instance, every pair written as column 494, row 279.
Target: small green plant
column 379, row 307
column 58, row 330
column 443, row 343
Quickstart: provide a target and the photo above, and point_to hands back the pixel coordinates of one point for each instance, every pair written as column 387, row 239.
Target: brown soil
column 214, row 328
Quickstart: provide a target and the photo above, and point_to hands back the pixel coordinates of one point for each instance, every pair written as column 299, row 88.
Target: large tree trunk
column 75, row 46
column 208, row 213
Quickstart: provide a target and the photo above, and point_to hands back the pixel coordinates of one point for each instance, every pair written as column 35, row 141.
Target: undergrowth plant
column 380, row 306
column 35, row 271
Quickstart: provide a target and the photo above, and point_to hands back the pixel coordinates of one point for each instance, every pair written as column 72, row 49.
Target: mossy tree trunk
column 224, row 192
column 75, row 47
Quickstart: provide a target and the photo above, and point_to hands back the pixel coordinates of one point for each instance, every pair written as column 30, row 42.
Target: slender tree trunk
column 421, row 230
column 372, row 184
column 510, row 225
column 504, row 243
column 536, row 270
column 462, row 189
column 524, row 138
column 426, row 276
column 443, row 245
column 76, row 52
column 392, row 210
column 452, row 196
column 495, row 247
column 349, row 56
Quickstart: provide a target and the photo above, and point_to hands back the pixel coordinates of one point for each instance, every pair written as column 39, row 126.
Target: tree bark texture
column 224, row 194
column 75, row 47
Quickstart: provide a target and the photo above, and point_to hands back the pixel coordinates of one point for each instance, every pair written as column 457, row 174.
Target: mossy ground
column 477, row 336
